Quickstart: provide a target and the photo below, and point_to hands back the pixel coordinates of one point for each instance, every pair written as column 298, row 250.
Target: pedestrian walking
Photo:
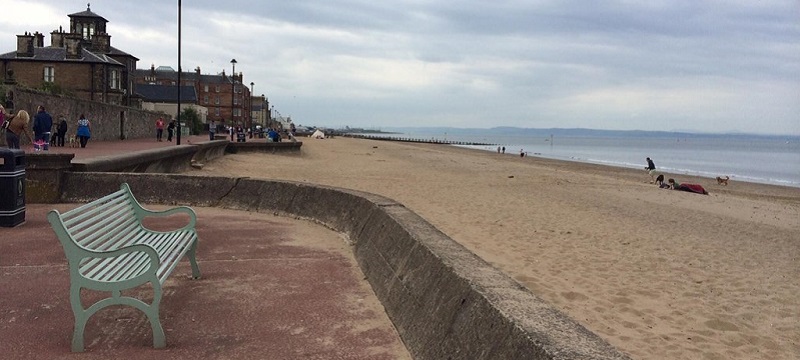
column 42, row 125
column 84, row 130
column 17, row 125
column 651, row 170
column 212, row 129
column 61, row 131
column 159, row 129
column 170, row 130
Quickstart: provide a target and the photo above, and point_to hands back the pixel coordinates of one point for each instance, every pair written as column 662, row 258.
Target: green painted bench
column 108, row 249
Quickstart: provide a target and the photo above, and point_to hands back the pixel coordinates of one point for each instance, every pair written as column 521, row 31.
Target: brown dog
column 722, row 181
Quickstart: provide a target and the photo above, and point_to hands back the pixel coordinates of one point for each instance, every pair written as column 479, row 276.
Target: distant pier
column 416, row 140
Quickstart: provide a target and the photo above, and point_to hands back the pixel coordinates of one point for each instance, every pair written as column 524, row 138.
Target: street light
column 178, row 137
column 233, row 86
column 250, row 115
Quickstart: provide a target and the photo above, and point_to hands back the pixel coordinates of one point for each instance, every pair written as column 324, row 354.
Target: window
column 216, row 111
column 235, row 100
column 217, row 88
column 49, row 74
column 237, row 112
column 87, row 31
column 205, row 99
column 205, row 89
column 113, row 81
column 236, row 89
column 216, row 101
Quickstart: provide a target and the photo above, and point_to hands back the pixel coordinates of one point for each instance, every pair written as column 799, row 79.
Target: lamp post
column 250, row 115
column 233, row 86
column 271, row 110
column 178, row 138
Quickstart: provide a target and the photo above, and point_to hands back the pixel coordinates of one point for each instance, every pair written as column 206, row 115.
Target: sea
column 763, row 159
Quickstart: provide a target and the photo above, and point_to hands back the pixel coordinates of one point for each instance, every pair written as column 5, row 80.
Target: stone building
column 80, row 62
column 228, row 101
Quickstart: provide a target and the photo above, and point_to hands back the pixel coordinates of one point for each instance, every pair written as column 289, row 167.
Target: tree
column 192, row 120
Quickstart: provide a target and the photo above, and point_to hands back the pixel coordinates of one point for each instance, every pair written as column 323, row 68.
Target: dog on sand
column 723, row 181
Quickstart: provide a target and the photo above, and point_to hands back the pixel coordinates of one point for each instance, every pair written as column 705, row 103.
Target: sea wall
column 445, row 302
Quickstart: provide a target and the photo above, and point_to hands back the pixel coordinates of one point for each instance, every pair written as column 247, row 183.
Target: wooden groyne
column 416, row 140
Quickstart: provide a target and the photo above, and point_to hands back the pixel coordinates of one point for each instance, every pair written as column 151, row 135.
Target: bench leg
column 192, row 260
column 159, row 339
column 150, row 310
column 80, row 318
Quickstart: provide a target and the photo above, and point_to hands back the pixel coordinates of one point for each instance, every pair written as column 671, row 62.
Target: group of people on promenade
column 160, row 130
column 44, row 131
column 658, row 179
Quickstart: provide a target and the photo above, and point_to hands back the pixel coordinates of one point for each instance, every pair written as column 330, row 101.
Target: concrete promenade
column 272, row 288
column 106, row 148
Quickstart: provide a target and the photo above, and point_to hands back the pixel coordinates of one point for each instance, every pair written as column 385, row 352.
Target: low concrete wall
column 170, row 159
column 266, row 147
column 210, row 150
column 44, row 173
column 45, row 170
column 445, row 302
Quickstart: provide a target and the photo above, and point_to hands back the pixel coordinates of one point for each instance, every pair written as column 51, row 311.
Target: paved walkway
column 104, row 148
column 272, row 288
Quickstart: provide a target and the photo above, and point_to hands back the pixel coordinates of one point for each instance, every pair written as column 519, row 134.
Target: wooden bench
column 108, row 249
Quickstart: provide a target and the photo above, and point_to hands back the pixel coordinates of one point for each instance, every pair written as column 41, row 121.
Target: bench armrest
column 177, row 210
column 76, row 255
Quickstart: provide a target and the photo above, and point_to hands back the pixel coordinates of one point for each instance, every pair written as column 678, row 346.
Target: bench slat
column 100, row 220
column 117, row 270
column 80, row 209
column 86, row 212
column 93, row 265
column 112, row 236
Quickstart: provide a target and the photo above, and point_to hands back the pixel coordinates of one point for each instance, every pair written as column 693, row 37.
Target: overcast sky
column 709, row 66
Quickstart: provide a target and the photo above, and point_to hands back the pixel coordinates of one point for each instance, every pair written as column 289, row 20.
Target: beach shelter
column 318, row 134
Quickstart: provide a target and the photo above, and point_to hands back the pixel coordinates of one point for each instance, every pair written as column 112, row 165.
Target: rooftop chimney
column 38, row 39
column 73, row 44
column 101, row 43
column 57, row 38
column 25, row 45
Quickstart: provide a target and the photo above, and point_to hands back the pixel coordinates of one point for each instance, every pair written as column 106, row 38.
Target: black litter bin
column 12, row 187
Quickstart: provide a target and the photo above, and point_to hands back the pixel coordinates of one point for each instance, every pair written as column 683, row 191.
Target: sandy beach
column 659, row 274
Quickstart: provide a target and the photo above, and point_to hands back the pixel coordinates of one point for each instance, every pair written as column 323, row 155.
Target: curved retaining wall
column 445, row 302
column 261, row 145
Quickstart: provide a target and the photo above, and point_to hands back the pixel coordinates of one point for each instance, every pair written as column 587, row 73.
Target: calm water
column 760, row 159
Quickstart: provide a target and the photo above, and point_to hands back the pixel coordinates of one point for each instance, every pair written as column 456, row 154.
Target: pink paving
column 105, row 148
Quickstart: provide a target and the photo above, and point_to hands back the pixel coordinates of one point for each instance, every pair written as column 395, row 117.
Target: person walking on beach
column 84, row 130
column 42, row 125
column 170, row 130
column 159, row 129
column 651, row 170
column 503, row 150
